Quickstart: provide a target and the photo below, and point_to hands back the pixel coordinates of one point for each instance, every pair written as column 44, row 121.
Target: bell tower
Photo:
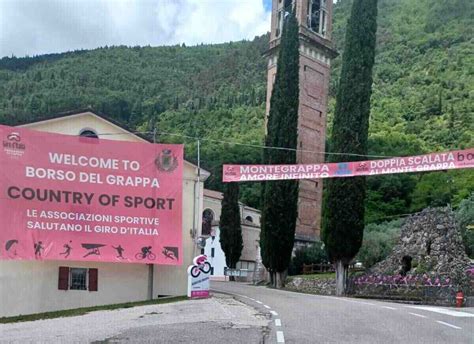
column 314, row 18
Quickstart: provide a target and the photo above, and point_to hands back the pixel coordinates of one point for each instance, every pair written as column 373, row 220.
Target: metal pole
column 199, row 157
column 151, row 266
column 197, row 198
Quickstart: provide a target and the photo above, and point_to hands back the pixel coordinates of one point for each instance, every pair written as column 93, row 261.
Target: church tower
column 314, row 18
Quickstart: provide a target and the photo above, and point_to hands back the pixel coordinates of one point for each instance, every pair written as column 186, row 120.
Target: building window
column 78, row 279
column 282, row 14
column 88, row 133
column 279, row 23
column 249, row 218
column 207, row 218
column 317, row 16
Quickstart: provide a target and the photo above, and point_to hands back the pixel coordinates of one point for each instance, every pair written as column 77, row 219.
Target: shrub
column 314, row 254
column 465, row 221
column 378, row 241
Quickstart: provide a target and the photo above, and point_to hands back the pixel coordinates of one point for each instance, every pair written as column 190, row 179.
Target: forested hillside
column 423, row 96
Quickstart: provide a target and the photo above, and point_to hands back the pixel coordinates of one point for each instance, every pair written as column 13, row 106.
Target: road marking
column 252, row 299
column 259, row 302
column 274, row 313
column 444, row 323
column 444, row 311
column 360, row 302
column 387, row 307
column 417, row 315
column 267, row 307
column 277, row 322
column 280, row 337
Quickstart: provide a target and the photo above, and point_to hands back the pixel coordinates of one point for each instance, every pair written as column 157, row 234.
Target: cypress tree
column 343, row 221
column 230, row 228
column 280, row 197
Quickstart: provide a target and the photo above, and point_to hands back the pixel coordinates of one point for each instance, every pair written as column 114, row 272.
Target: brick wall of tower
column 315, row 54
column 312, row 114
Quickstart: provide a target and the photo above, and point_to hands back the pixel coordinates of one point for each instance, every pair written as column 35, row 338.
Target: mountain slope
column 422, row 99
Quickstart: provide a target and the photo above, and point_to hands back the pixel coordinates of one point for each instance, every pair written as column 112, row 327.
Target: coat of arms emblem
column 166, row 161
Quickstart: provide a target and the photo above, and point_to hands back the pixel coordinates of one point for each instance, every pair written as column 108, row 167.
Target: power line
column 247, row 144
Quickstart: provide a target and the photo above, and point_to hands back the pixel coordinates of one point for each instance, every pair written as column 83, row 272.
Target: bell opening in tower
column 283, row 13
column 317, row 16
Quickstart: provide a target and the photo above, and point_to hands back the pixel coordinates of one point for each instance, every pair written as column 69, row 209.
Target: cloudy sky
column 30, row 27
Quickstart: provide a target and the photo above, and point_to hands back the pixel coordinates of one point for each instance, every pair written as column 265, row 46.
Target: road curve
column 304, row 318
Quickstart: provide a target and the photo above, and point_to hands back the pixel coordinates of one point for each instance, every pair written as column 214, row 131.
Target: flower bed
column 420, row 288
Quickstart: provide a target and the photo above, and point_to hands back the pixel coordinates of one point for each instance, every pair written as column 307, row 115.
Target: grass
column 321, row 276
column 85, row 310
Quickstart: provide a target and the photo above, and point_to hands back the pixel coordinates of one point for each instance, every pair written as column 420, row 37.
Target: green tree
column 229, row 224
column 379, row 240
column 280, row 197
column 344, row 200
column 465, row 220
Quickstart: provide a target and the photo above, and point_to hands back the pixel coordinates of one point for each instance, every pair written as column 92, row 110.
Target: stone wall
column 428, row 264
column 430, row 244
column 312, row 286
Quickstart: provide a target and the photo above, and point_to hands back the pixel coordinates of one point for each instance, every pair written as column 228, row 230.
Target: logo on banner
column 362, row 167
column 166, row 161
column 230, row 171
column 343, row 169
column 465, row 158
column 13, row 145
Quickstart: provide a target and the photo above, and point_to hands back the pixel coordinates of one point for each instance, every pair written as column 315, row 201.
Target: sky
column 33, row 27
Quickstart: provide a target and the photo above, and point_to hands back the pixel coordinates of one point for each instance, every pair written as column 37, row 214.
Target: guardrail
column 322, row 268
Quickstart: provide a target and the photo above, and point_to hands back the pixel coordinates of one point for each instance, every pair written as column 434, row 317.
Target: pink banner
column 420, row 163
column 84, row 199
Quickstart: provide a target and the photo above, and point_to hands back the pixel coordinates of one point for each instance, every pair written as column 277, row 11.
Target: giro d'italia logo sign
column 198, row 277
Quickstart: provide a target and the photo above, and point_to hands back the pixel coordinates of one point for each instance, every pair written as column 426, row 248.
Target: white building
column 28, row 287
column 250, row 218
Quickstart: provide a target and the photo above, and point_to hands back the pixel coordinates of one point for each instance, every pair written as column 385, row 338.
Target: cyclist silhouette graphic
column 145, row 253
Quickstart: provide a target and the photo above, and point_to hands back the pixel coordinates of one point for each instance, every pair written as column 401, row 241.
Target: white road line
column 387, row 307
column 267, row 307
column 444, row 311
column 274, row 313
column 360, row 302
column 444, row 323
column 252, row 299
column 259, row 302
column 417, row 315
column 280, row 337
column 277, row 322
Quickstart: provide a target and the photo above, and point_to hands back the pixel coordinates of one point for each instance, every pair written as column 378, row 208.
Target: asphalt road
column 216, row 320
column 304, row 318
